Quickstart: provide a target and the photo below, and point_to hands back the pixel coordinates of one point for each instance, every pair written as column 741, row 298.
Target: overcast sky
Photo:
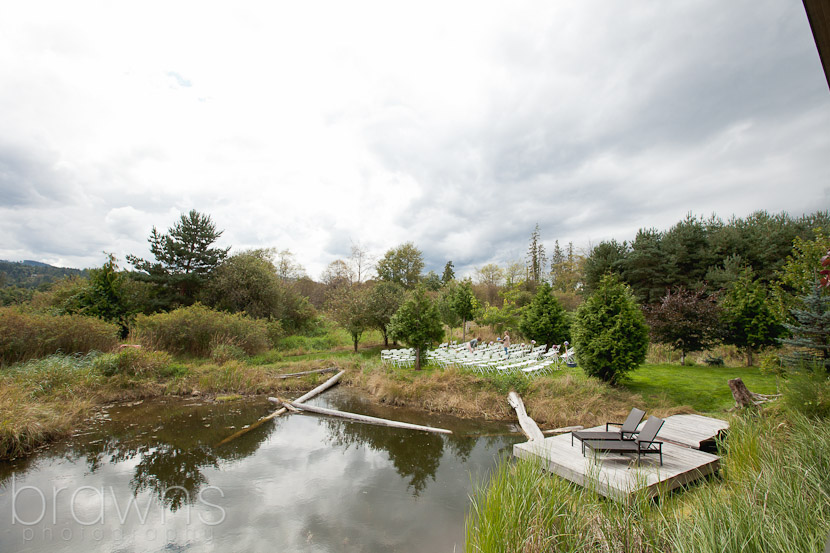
column 455, row 125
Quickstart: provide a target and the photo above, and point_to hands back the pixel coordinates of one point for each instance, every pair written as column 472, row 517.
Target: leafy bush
column 194, row 330
column 611, row 336
column 25, row 336
column 134, row 362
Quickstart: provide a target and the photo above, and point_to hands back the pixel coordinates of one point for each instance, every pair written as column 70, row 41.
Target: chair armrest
column 614, row 423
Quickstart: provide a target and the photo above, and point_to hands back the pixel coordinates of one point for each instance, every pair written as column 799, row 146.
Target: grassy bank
column 48, row 398
column 773, row 495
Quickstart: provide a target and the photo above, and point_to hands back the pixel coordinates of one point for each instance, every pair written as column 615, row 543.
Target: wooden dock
column 695, row 431
column 618, row 476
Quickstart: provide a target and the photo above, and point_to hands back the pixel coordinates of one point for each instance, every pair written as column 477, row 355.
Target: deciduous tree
column 385, row 298
column 349, row 306
column 685, row 320
column 402, row 265
column 750, row 321
column 247, row 282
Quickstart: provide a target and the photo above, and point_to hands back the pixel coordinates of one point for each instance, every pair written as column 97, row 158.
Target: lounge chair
column 626, row 432
column 643, row 444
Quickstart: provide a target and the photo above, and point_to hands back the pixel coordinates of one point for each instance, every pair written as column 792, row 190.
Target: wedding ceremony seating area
column 491, row 358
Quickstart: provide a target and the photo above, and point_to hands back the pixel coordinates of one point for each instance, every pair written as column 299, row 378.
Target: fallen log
column 365, row 418
column 291, row 375
column 319, row 389
column 528, row 425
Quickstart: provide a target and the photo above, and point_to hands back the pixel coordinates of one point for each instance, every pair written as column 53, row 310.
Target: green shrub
column 610, row 335
column 25, row 336
column 134, row 362
column 194, row 330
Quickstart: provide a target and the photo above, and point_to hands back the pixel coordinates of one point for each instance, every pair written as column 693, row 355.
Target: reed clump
column 773, row 495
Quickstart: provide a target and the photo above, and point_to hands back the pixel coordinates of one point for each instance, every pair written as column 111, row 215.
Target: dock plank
column 618, row 476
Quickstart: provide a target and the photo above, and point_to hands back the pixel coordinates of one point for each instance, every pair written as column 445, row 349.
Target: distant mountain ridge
column 32, row 274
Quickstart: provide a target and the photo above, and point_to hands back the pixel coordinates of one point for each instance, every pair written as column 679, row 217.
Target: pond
column 150, row 477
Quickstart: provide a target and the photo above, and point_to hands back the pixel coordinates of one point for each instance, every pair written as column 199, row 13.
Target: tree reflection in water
column 174, row 442
column 415, row 455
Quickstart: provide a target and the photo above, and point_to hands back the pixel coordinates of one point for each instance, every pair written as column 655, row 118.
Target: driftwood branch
column 291, row 375
column 366, row 418
column 528, row 425
column 319, row 389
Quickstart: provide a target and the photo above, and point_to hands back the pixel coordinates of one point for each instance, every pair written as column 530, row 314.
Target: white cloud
column 458, row 127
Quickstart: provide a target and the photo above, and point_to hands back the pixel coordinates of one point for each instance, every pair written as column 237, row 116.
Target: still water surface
column 150, row 477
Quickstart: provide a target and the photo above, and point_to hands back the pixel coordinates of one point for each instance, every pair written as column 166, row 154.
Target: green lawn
column 704, row 388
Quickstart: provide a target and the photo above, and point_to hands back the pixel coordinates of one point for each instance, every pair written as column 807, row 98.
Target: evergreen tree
column 687, row 254
column 184, row 258
column 749, row 319
column 646, row 268
column 811, row 332
column 444, row 304
column 109, row 294
column 610, row 332
column 536, row 260
column 605, row 258
column 557, row 267
column 417, row 324
column 464, row 304
column 449, row 273
column 545, row 320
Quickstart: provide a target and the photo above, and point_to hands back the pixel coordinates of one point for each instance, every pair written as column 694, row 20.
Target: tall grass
column 524, row 509
column 195, row 330
column 25, row 336
column 774, row 496
column 42, row 399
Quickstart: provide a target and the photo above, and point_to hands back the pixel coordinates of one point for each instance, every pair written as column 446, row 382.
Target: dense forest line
column 767, row 260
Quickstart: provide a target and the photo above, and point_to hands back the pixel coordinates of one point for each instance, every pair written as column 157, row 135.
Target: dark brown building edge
column 818, row 14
